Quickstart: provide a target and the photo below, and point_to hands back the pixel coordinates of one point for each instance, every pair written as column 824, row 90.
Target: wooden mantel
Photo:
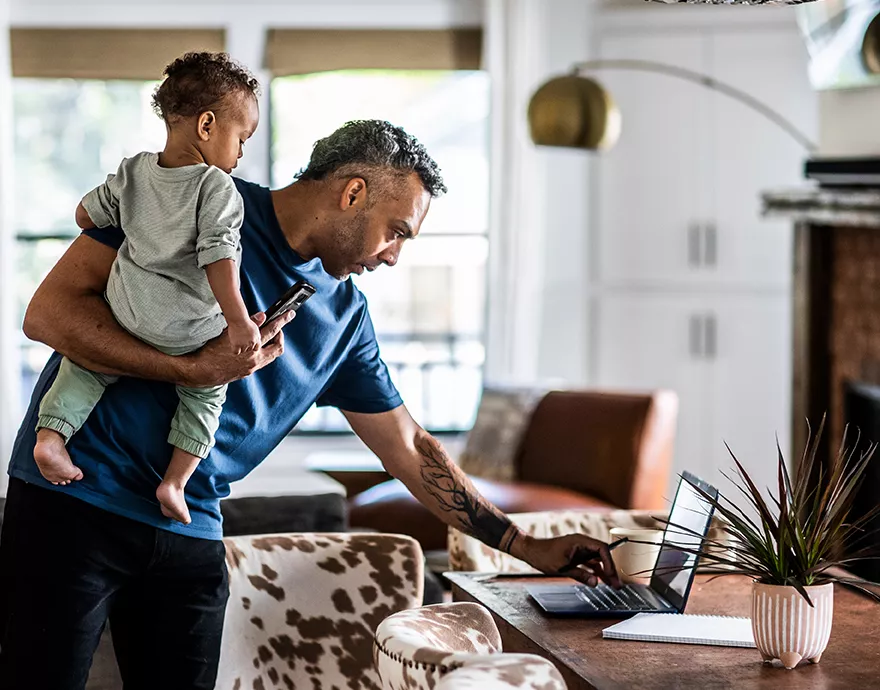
column 836, row 311
column 857, row 208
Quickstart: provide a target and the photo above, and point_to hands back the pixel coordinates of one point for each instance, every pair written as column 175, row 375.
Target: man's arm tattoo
column 454, row 493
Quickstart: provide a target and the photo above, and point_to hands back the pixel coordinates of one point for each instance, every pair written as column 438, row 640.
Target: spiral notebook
column 722, row 631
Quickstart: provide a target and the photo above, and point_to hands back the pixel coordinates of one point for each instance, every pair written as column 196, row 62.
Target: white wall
column 563, row 351
column 9, row 376
column 538, row 239
column 513, row 55
column 326, row 13
column 849, row 122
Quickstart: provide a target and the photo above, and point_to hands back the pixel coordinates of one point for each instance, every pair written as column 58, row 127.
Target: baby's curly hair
column 196, row 82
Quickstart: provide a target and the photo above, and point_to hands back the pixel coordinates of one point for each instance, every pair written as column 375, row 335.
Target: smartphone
column 291, row 300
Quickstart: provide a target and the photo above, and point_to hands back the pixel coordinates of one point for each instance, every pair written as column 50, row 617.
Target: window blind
column 302, row 51
column 139, row 54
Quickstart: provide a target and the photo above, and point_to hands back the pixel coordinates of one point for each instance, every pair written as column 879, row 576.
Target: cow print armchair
column 303, row 608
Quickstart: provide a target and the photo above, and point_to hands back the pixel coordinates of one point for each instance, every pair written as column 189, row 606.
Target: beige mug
column 635, row 561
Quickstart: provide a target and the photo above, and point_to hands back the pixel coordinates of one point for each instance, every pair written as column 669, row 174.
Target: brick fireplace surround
column 836, row 316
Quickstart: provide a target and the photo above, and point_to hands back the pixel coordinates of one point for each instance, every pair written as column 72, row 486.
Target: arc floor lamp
column 576, row 111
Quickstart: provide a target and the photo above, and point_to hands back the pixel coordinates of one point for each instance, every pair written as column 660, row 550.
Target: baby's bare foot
column 173, row 503
column 53, row 460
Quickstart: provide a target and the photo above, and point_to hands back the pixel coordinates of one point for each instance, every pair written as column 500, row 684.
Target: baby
column 174, row 283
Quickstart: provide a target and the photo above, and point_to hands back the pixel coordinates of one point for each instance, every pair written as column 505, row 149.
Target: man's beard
column 348, row 246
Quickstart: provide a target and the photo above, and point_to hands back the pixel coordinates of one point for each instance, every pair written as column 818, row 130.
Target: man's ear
column 354, row 195
column 206, row 125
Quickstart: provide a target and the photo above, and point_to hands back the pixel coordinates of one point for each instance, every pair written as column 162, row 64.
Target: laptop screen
column 674, row 570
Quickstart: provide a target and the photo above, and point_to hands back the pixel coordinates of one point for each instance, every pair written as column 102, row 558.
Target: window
column 429, row 309
column 68, row 136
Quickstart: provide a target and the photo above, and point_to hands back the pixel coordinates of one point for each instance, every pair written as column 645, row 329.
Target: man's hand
column 215, row 364
column 576, row 556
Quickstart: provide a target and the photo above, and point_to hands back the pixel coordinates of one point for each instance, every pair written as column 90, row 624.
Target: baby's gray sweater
column 176, row 222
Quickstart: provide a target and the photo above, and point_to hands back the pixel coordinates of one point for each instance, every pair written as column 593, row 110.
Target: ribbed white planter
column 786, row 627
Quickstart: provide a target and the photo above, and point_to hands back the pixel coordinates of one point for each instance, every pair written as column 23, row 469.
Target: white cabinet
column 690, row 286
column 648, row 342
column 678, row 199
column 650, row 187
column 726, row 356
column 752, row 154
column 750, row 392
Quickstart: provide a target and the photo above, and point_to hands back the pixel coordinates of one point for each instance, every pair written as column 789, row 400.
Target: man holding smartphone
column 70, row 557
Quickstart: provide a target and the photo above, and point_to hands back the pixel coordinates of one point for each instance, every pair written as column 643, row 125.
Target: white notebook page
column 725, row 631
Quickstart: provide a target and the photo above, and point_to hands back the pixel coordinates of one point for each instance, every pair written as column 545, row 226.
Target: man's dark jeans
column 65, row 566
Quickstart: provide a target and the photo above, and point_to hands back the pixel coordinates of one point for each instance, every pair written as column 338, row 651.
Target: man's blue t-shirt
column 330, row 356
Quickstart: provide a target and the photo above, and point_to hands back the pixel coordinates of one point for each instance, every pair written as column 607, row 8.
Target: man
column 72, row 556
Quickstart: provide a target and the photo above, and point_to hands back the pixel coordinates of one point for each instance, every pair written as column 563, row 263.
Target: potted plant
column 790, row 546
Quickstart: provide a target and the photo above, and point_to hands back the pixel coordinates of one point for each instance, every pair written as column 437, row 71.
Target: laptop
column 672, row 576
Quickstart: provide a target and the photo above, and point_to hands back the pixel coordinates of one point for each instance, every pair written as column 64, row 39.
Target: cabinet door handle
column 710, row 249
column 695, row 336
column 710, row 323
column 694, row 242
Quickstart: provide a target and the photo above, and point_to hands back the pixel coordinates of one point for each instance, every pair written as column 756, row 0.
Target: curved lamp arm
column 704, row 80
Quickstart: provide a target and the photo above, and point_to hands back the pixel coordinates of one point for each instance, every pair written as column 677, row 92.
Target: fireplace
column 836, row 293
column 836, row 318
column 862, row 413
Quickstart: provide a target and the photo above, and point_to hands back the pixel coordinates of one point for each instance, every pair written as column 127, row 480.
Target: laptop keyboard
column 628, row 598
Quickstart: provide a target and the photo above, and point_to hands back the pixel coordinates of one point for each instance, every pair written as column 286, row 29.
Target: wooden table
column 852, row 659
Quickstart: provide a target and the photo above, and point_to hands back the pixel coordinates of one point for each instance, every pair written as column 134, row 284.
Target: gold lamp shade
column 574, row 112
column 871, row 46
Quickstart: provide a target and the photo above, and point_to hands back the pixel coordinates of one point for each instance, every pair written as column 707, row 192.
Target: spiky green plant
column 794, row 539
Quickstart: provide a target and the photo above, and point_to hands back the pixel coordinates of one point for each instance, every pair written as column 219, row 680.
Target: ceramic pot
column 786, row 627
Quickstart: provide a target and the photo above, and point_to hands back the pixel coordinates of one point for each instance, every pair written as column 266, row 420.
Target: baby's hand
column 244, row 336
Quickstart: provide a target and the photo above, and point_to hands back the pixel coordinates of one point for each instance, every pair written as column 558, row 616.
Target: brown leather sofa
column 576, row 450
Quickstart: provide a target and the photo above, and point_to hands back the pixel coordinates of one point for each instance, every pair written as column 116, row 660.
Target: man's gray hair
column 363, row 146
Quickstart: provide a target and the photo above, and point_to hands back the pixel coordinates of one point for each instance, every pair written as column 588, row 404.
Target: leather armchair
column 573, row 450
